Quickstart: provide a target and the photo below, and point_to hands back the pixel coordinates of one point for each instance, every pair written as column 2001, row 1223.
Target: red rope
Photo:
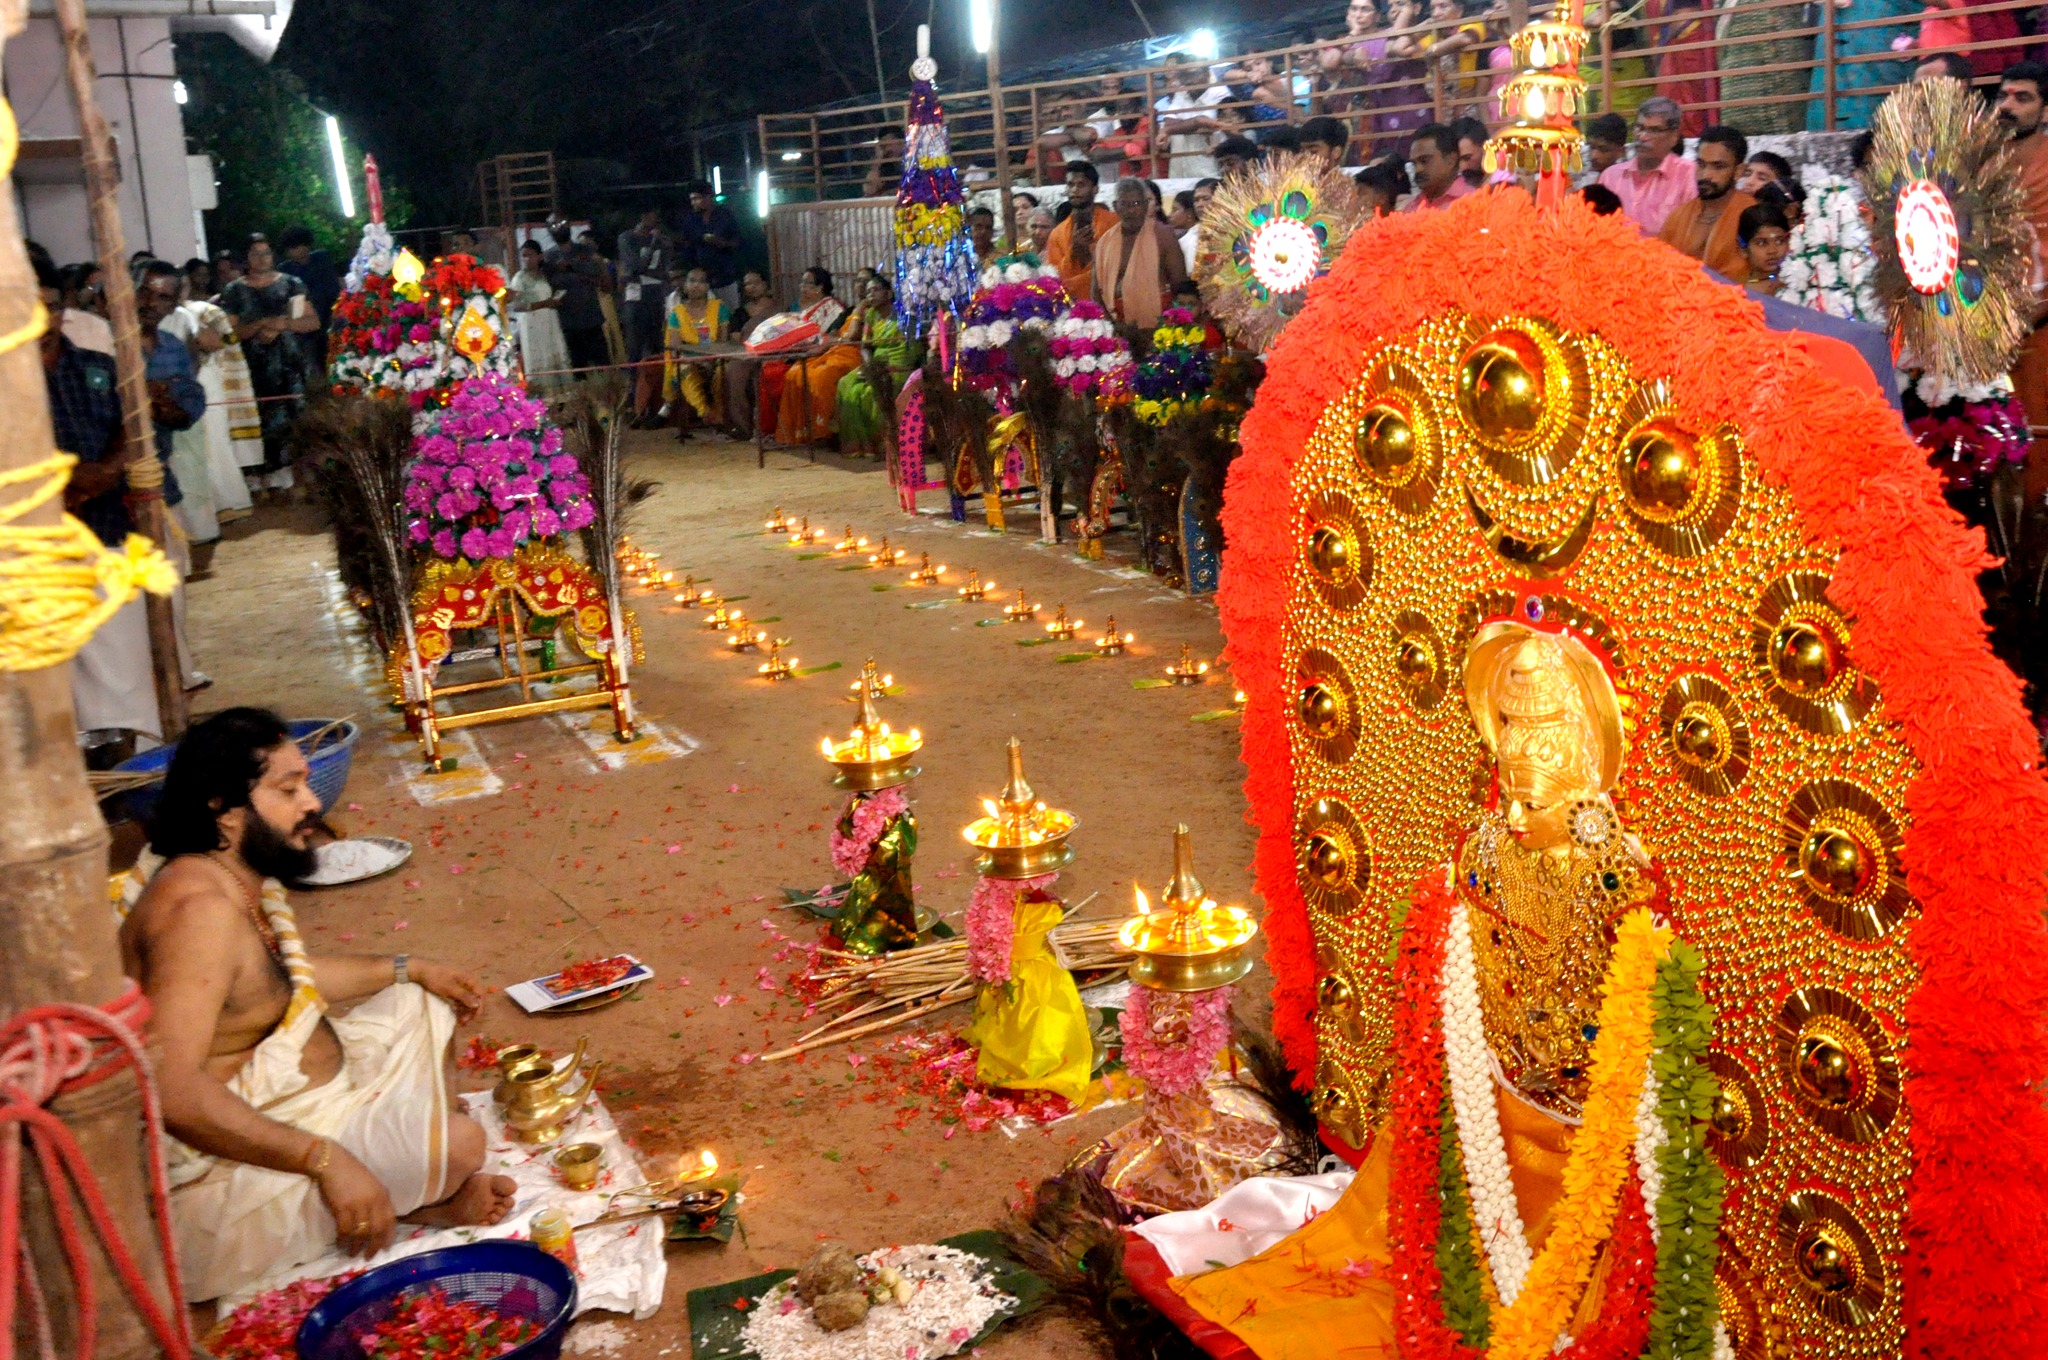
column 46, row 1052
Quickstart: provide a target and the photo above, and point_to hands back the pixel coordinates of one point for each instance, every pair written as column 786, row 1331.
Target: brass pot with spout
column 538, row 1108
column 527, row 1057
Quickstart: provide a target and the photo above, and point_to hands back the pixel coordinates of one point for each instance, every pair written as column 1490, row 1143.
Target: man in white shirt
column 1187, row 121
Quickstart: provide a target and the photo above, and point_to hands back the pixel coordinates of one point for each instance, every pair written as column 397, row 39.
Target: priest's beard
column 271, row 854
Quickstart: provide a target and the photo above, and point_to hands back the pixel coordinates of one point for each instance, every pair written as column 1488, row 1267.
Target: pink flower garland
column 1171, row 1039
column 871, row 817
column 992, row 924
column 490, row 474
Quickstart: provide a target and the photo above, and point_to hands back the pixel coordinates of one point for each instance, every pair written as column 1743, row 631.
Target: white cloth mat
column 621, row 1268
column 1259, row 1212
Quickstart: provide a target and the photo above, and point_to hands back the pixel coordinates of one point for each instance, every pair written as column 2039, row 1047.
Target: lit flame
column 916, row 735
column 1532, row 106
column 1144, row 907
column 995, row 814
column 828, row 747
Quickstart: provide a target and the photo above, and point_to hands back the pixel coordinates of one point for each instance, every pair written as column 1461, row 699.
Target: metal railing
column 1764, row 66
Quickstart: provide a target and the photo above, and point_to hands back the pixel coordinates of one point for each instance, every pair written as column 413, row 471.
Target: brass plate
column 595, row 1003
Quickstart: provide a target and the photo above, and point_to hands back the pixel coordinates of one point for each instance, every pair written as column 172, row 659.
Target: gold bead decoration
column 1419, row 661
column 1326, row 705
column 1339, row 556
column 1800, row 648
column 1738, row 1127
column 1842, row 852
column 1680, row 489
column 1335, row 856
column 1831, row 1260
column 1705, row 734
column 1522, row 393
column 1837, row 1064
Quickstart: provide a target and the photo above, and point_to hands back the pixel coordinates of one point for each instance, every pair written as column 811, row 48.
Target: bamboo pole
column 145, row 472
column 56, row 933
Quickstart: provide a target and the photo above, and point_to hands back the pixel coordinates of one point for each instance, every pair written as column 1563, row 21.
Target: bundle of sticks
column 874, row 994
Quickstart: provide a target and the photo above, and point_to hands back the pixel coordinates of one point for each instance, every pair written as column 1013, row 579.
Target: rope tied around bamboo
column 58, row 582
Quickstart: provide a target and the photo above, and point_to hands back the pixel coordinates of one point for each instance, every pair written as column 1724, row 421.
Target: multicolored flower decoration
column 1272, row 230
column 417, row 331
column 1088, row 357
column 1175, row 376
column 1017, row 292
column 934, row 257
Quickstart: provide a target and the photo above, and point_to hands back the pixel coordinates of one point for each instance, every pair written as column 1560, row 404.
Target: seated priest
column 293, row 1131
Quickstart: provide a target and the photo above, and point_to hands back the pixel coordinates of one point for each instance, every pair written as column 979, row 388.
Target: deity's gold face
column 1538, row 713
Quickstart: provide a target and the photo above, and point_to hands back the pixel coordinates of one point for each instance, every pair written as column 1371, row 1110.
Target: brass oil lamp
column 1187, row 670
column 873, row 757
column 872, row 682
column 1062, row 628
column 779, row 523
column 927, row 574
column 746, row 639
column 690, row 597
column 976, row 588
column 777, row 666
column 1020, row 837
column 804, row 534
column 886, row 556
column 1112, row 643
column 1022, row 611
column 725, row 618
column 851, row 544
column 1189, row 944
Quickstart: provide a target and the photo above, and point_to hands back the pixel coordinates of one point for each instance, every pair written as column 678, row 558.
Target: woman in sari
column 809, row 405
column 1688, row 77
column 1854, row 110
column 271, row 310
column 694, row 317
column 536, row 312
column 814, row 303
column 1761, row 21
column 860, row 410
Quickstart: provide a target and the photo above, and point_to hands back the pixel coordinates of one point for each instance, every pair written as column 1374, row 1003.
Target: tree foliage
column 269, row 147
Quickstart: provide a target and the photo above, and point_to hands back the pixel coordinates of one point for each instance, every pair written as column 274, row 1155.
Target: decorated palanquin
column 540, row 589
column 1650, row 843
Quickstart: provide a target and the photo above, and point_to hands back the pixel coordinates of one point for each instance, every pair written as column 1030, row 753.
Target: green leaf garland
column 1689, row 1204
column 1464, row 1301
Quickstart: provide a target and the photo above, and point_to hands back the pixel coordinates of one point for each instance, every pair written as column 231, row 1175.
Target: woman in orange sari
column 809, row 408
column 814, row 302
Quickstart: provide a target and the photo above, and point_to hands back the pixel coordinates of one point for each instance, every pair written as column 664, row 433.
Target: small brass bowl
column 578, row 1164
column 699, row 1209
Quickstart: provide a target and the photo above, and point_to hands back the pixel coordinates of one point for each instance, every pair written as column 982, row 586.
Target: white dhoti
column 112, row 682
column 388, row 1106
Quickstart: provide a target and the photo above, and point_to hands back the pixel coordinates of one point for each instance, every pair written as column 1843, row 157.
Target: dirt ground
column 681, row 861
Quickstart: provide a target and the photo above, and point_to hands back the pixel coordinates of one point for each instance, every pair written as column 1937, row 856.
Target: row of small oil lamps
column 1112, row 642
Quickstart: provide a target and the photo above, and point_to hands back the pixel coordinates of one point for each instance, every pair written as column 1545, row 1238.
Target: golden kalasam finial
column 1541, row 102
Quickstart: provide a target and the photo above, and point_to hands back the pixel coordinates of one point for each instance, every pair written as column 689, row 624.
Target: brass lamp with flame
column 873, row 757
column 886, row 556
column 779, row 523
column 804, row 534
column 872, row 680
column 1062, row 628
column 777, row 666
column 725, row 617
column 1020, row 837
column 976, row 588
column 1187, row 670
column 1190, row 944
column 1022, row 611
column 1112, row 642
column 852, row 543
column 927, row 573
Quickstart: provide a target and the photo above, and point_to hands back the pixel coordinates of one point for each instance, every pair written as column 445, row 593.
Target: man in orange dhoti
column 2020, row 94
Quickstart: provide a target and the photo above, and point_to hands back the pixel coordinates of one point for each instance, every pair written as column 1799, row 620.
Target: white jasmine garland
column 1724, row 1349
column 1651, row 1137
column 1469, row 1068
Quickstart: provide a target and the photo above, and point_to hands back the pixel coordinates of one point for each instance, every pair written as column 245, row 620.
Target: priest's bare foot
column 484, row 1199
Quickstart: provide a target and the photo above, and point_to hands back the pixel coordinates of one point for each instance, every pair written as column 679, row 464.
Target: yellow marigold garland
column 1601, row 1151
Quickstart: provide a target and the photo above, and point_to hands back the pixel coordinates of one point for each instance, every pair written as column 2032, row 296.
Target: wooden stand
column 540, row 582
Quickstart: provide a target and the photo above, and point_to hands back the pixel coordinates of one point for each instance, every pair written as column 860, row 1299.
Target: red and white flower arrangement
column 489, row 475
column 1088, row 356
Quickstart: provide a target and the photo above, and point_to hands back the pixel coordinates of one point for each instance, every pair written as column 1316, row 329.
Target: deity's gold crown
column 1517, row 676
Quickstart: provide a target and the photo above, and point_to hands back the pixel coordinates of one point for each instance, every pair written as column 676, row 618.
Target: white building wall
column 134, row 61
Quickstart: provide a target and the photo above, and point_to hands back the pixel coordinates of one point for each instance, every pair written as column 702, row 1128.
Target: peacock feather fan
column 1950, row 232
column 1272, row 230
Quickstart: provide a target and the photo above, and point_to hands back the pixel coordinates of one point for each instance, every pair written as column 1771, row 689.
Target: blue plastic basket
column 511, row 1277
column 328, row 767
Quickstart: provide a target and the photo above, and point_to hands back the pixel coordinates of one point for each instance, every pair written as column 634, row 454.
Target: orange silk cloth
column 1328, row 1290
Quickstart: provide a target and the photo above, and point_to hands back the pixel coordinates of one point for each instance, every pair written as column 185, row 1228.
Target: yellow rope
column 58, row 582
